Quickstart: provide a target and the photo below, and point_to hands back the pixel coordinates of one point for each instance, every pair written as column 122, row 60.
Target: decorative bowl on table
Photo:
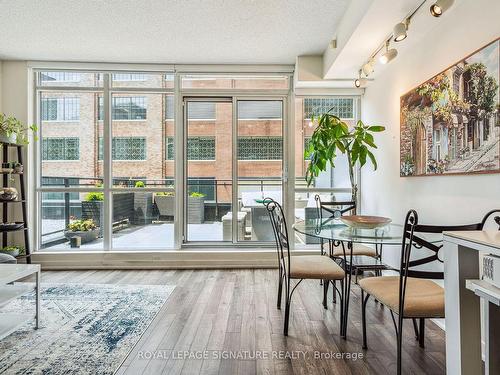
column 8, row 194
column 365, row 222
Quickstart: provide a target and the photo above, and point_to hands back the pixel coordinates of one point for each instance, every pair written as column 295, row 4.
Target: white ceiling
column 168, row 31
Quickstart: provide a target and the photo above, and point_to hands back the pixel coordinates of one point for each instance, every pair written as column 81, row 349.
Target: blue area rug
column 85, row 329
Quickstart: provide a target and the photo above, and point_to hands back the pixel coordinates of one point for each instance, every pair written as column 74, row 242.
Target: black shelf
column 5, row 176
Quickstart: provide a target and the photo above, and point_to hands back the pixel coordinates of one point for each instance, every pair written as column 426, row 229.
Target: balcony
column 143, row 220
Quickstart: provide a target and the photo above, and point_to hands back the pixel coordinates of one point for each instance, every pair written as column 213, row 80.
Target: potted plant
column 333, row 135
column 92, row 208
column 165, row 202
column 14, row 131
column 196, row 208
column 87, row 230
column 13, row 250
column 143, row 205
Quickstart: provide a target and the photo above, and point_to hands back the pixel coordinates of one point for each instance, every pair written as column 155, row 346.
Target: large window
column 60, row 109
column 126, row 148
column 260, row 148
column 126, row 108
column 60, row 149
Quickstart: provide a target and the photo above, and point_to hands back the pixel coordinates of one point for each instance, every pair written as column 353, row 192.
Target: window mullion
column 107, row 161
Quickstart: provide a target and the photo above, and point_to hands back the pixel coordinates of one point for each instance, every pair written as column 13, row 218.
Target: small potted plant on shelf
column 196, row 208
column 14, row 131
column 87, row 230
column 165, row 202
column 13, row 250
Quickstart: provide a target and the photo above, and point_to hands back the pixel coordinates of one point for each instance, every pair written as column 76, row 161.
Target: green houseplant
column 14, row 131
column 332, row 135
column 13, row 250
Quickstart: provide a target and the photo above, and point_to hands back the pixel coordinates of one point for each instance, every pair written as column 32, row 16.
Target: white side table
column 462, row 313
column 10, row 273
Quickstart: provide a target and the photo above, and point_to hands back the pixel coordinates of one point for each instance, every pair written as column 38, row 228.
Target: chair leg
column 341, row 306
column 334, row 291
column 364, row 300
column 400, row 343
column 421, row 330
column 326, row 283
column 415, row 328
column 280, row 288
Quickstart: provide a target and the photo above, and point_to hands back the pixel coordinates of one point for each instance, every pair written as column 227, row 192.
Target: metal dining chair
column 297, row 267
column 413, row 295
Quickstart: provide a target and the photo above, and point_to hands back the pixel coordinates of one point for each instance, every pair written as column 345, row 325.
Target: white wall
column 441, row 199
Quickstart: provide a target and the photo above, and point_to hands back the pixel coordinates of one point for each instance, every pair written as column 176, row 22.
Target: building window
column 129, row 77
column 260, row 148
column 203, row 185
column 60, row 77
column 259, row 110
column 201, row 148
column 340, row 107
column 201, row 111
column 61, row 149
column 61, row 109
column 169, row 107
column 307, row 141
column 125, row 108
column 169, row 148
column 126, row 148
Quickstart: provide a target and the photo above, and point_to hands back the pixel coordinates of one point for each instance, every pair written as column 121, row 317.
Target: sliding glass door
column 233, row 161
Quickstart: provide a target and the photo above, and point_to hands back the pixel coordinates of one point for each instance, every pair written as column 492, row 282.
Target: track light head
column 399, row 32
column 367, row 68
column 360, row 82
column 388, row 55
column 440, row 6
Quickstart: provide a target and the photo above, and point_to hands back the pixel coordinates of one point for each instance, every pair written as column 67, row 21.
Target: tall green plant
column 332, row 135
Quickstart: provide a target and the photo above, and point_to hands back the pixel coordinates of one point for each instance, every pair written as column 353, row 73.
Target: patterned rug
column 85, row 328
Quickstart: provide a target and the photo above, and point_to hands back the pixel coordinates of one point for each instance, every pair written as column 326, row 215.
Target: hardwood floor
column 216, row 313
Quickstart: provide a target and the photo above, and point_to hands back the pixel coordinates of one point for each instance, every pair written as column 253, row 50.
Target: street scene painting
column 451, row 124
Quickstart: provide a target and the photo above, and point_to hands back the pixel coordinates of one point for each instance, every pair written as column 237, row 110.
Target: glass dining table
column 340, row 234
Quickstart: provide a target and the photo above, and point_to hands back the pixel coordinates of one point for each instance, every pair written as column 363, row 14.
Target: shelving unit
column 22, row 200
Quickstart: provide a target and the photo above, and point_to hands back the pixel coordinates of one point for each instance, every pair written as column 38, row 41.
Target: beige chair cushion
column 357, row 249
column 423, row 298
column 315, row 267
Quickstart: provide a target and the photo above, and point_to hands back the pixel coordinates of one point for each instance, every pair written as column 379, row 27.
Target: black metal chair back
column 420, row 242
column 334, row 210
column 280, row 229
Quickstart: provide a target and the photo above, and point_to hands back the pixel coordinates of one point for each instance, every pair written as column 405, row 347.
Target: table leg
column 37, row 314
column 492, row 329
column 462, row 312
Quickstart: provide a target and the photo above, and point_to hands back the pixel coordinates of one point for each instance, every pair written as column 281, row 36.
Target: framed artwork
column 451, row 124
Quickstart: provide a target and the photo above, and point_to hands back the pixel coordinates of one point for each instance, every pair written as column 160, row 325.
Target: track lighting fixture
column 440, row 6
column 399, row 32
column 367, row 68
column 388, row 55
column 360, row 82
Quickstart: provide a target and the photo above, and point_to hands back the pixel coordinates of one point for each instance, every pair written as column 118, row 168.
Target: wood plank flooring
column 222, row 313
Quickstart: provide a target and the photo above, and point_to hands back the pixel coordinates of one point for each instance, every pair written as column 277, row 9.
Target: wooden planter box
column 196, row 210
column 165, row 204
column 94, row 210
column 143, row 208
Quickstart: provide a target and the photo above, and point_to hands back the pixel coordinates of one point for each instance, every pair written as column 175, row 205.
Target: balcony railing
column 61, row 206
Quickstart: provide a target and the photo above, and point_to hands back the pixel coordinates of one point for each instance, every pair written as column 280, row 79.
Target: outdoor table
column 343, row 235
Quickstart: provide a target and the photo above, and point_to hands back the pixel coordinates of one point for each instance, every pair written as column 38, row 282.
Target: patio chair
column 413, row 294
column 298, row 267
